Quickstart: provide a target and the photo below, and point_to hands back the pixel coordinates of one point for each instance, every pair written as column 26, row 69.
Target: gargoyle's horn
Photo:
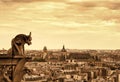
column 30, row 34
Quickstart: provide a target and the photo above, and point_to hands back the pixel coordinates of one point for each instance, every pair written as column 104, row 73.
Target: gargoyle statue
column 18, row 43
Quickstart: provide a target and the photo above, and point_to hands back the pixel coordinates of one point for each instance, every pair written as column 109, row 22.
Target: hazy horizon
column 77, row 24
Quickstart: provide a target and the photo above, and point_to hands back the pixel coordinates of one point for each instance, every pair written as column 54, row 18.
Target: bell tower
column 64, row 53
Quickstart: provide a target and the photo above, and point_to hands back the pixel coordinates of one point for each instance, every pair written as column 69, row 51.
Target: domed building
column 45, row 52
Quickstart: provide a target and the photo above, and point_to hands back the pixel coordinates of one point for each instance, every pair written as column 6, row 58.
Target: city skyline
column 77, row 24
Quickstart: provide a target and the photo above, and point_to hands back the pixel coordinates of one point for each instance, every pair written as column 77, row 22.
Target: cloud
column 28, row 1
column 80, row 4
column 113, row 5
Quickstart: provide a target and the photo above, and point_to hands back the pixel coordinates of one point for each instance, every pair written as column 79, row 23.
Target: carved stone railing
column 12, row 67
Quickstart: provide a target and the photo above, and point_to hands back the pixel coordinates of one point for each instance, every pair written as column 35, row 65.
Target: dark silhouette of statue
column 18, row 43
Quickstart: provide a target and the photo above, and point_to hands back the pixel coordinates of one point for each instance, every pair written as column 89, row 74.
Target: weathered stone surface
column 17, row 63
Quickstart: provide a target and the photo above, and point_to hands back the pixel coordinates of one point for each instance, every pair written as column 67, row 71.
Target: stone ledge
column 16, row 56
column 12, row 60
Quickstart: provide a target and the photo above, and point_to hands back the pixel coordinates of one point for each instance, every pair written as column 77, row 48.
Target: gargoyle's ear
column 30, row 34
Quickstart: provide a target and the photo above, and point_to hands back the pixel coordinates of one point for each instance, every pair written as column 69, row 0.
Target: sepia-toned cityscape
column 67, row 41
column 71, row 65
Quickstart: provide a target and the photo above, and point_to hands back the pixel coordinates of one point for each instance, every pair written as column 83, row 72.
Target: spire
column 45, row 49
column 63, row 49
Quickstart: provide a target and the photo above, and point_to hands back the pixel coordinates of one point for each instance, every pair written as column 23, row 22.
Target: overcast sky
column 78, row 24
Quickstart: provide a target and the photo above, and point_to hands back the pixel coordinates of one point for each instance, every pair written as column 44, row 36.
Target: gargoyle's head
column 29, row 38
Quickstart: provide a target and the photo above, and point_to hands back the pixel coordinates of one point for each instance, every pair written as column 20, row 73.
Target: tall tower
column 63, row 53
column 63, row 49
